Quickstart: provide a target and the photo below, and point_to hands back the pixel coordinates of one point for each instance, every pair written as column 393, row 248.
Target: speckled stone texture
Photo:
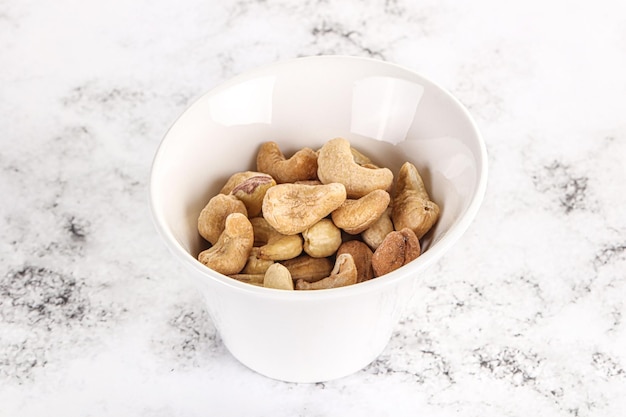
column 524, row 317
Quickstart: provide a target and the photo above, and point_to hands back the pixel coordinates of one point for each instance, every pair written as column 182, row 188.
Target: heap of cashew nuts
column 317, row 220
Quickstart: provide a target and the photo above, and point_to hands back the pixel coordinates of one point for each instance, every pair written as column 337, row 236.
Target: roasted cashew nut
column 301, row 166
column 354, row 216
column 255, row 264
column 412, row 207
column 230, row 253
column 308, row 268
column 362, row 255
column 293, row 208
column 397, row 249
column 213, row 215
column 344, row 273
column 335, row 163
column 322, row 239
column 277, row 276
column 252, row 190
column 376, row 233
column 274, row 245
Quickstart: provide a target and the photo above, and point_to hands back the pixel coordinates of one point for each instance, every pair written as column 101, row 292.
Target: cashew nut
column 230, row 253
column 362, row 255
column 277, row 276
column 308, row 268
column 213, row 215
column 397, row 249
column 354, row 216
column 322, row 239
column 335, row 163
column 293, row 208
column 274, row 245
column 375, row 234
column 252, row 190
column 256, row 265
column 254, row 279
column 343, row 273
column 236, row 179
column 412, row 207
column 301, row 166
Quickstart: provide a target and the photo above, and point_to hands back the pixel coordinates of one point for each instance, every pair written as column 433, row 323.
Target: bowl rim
column 411, row 270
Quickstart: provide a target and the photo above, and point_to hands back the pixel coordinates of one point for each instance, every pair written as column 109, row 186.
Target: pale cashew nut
column 398, row 249
column 335, row 163
column 412, row 207
column 301, row 166
column 344, row 273
column 322, row 239
column 213, row 215
column 256, row 265
column 354, row 216
column 362, row 255
column 308, row 268
column 252, row 190
column 274, row 245
column 376, row 233
column 277, row 276
column 230, row 253
column 293, row 208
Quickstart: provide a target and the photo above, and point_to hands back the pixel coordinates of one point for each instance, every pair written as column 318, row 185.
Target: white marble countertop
column 524, row 317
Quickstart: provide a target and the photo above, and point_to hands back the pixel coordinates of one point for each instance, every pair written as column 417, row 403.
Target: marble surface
column 524, row 317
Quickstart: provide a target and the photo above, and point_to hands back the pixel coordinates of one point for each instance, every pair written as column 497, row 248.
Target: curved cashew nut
column 412, row 207
column 344, row 273
column 236, row 179
column 230, row 253
column 354, row 216
column 308, row 268
column 322, row 239
column 213, row 216
column 252, row 190
column 375, row 234
column 335, row 163
column 274, row 245
column 255, row 264
column 293, row 208
column 277, row 276
column 301, row 166
column 398, row 249
column 362, row 255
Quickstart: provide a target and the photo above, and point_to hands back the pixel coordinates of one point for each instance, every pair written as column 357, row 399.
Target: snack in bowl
column 288, row 211
column 389, row 115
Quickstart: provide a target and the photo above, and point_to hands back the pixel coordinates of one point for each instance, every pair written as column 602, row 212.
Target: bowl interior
column 389, row 113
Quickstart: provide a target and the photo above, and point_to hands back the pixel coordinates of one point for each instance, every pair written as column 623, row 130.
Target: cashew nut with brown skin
column 362, row 255
column 412, row 207
column 354, row 216
column 293, row 208
column 274, row 245
column 344, row 273
column 301, row 166
column 396, row 250
column 230, row 253
column 322, row 239
column 335, row 163
column 213, row 215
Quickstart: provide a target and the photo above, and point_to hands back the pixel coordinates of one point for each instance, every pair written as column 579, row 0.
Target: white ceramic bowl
column 388, row 112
